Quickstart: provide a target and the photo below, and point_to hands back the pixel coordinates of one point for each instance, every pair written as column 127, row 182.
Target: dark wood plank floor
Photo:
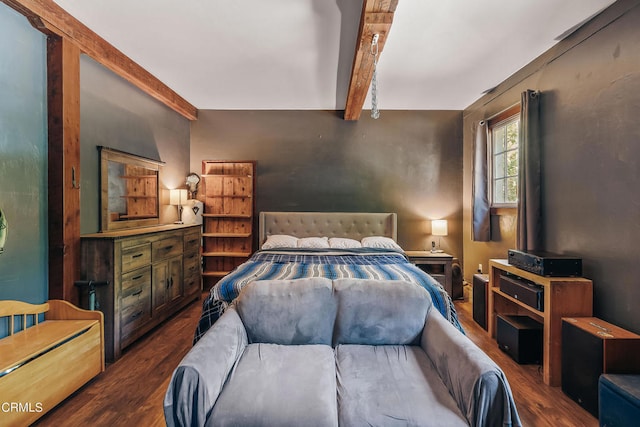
column 130, row 391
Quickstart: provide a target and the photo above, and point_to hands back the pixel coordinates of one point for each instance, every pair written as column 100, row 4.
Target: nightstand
column 436, row 264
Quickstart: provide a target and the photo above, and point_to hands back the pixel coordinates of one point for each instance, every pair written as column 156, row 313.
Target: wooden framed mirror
column 129, row 190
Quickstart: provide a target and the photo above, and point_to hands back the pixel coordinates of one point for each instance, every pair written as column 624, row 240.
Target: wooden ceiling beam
column 376, row 18
column 50, row 18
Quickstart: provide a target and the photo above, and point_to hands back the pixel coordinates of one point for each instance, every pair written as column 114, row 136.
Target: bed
column 381, row 258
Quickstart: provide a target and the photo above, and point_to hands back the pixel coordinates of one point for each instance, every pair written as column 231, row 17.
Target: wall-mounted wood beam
column 376, row 18
column 51, row 18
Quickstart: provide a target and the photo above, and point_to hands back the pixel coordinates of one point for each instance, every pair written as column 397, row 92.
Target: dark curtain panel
column 481, row 209
column 529, row 237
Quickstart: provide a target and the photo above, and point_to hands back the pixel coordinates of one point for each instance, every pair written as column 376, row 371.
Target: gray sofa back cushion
column 379, row 312
column 288, row 312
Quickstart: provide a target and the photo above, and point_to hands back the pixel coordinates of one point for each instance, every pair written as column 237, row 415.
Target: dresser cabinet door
column 167, row 283
column 176, row 284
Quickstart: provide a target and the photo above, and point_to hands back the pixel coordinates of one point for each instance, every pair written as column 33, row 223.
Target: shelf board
column 546, row 281
column 226, row 235
column 518, row 302
column 137, row 176
column 227, row 254
column 139, row 197
column 137, row 216
column 213, row 215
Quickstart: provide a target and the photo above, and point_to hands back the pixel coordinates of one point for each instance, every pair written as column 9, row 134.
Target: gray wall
column 116, row 114
column 590, row 105
column 407, row 162
column 23, row 159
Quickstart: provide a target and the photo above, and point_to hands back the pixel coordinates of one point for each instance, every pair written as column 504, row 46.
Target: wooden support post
column 63, row 84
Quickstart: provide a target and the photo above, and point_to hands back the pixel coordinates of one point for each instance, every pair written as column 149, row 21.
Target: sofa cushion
column 379, row 312
column 275, row 385
column 391, row 386
column 289, row 312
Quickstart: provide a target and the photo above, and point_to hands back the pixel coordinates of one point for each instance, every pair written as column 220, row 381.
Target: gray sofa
column 313, row 352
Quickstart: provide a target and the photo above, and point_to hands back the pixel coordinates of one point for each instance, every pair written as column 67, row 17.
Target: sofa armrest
column 477, row 384
column 198, row 380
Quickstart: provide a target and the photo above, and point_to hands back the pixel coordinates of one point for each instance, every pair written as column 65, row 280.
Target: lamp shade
column 439, row 227
column 177, row 197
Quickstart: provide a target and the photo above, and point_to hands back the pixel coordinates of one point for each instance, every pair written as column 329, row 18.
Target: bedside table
column 436, row 264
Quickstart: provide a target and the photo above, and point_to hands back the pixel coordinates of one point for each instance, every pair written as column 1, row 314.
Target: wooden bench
column 43, row 364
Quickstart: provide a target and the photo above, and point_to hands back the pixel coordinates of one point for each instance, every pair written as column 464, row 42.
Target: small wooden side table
column 436, row 264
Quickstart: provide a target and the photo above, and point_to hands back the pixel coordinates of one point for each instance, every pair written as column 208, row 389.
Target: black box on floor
column 480, row 288
column 523, row 290
column 520, row 337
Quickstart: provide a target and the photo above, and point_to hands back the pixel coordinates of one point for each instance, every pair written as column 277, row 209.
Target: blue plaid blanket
column 359, row 263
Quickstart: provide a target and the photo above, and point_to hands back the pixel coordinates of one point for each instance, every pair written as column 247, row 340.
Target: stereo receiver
column 545, row 263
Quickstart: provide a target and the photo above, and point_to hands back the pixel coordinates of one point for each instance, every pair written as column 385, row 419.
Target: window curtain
column 529, row 218
column 481, row 208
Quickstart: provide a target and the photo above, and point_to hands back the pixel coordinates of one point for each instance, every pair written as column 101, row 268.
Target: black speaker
column 480, row 288
column 457, row 291
column 591, row 347
column 523, row 290
column 520, row 337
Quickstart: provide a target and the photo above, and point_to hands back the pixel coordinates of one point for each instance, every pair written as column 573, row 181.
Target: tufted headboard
column 354, row 225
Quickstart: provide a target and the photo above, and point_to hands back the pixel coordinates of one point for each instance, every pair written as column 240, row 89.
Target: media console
column 563, row 297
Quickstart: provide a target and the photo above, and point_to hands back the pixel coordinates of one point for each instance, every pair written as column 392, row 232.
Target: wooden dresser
column 152, row 273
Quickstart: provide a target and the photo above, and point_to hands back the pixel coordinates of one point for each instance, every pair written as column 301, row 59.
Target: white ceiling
column 297, row 54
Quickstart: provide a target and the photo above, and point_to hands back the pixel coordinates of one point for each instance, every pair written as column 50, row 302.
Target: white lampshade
column 177, row 197
column 439, row 227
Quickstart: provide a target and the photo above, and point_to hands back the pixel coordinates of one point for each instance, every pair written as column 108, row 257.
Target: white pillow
column 280, row 241
column 380, row 242
column 313, row 242
column 344, row 243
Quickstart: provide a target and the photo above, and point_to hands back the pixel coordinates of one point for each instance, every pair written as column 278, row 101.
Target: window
column 503, row 166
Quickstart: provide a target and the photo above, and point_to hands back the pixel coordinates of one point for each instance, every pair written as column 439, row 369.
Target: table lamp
column 438, row 228
column 178, row 198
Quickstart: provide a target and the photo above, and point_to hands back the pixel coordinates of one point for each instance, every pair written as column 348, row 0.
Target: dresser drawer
column 191, row 263
column 192, row 273
column 166, row 248
column 136, row 257
column 135, row 279
column 192, row 241
column 135, row 310
column 192, row 285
